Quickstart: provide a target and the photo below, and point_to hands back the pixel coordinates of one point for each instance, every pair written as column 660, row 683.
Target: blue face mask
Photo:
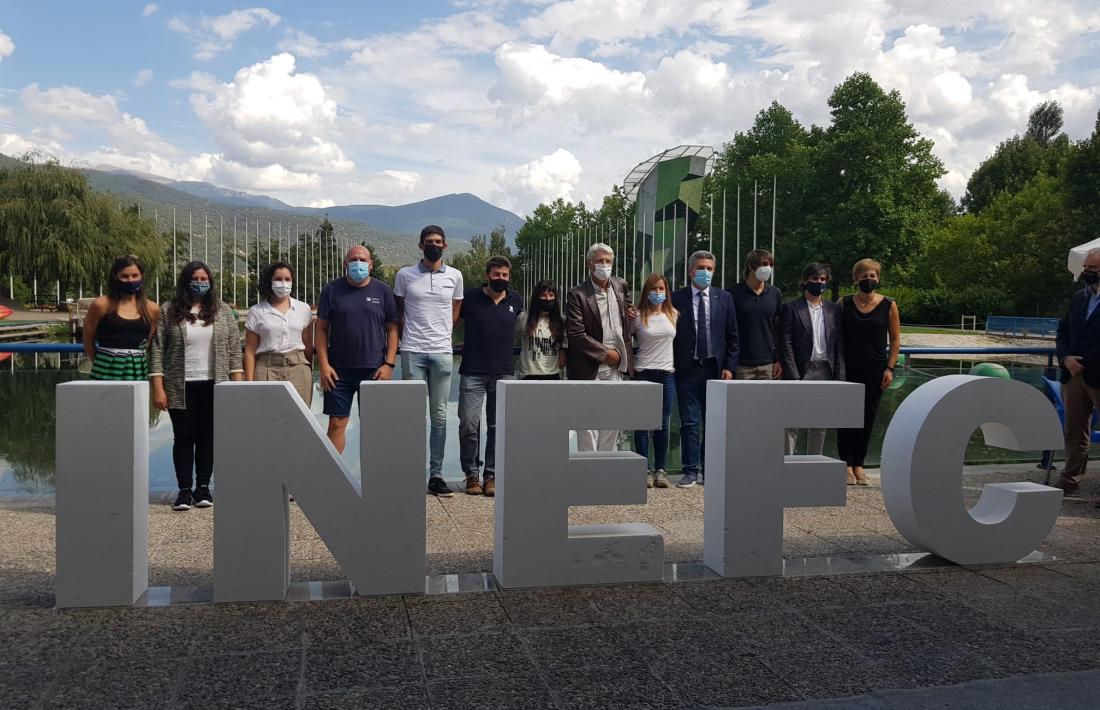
column 199, row 288
column 703, row 278
column 815, row 288
column 358, row 271
column 656, row 298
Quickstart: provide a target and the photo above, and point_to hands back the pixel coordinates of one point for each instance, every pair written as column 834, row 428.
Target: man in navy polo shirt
column 356, row 338
column 490, row 312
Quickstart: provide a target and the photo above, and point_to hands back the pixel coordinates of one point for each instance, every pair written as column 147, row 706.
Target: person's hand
column 631, row 313
column 328, row 378
column 777, row 371
column 613, row 357
column 887, row 378
column 383, row 373
column 160, row 399
column 727, row 375
column 1073, row 364
column 237, row 376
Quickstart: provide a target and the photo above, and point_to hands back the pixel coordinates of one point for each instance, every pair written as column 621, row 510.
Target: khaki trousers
column 754, row 372
column 287, row 367
column 1080, row 400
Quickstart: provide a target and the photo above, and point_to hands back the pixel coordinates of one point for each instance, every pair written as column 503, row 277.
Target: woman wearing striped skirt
column 120, row 325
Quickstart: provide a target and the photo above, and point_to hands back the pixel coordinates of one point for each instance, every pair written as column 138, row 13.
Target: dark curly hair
column 268, row 274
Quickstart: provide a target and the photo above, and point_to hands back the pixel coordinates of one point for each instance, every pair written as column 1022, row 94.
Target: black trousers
column 193, row 435
column 851, row 444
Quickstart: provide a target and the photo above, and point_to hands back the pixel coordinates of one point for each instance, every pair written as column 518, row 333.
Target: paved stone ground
column 714, row 643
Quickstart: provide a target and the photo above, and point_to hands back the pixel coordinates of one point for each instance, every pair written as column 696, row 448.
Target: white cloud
column 540, row 180
column 270, row 116
column 213, row 35
column 301, row 44
column 143, row 77
column 15, row 145
column 196, row 81
column 7, row 46
column 150, row 9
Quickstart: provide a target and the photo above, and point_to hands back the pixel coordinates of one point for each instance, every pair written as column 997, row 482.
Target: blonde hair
column 863, row 266
column 647, row 308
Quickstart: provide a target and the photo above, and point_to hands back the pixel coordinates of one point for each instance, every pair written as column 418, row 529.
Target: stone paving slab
column 956, row 635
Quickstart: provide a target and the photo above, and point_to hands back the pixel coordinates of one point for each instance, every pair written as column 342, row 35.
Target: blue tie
column 702, row 349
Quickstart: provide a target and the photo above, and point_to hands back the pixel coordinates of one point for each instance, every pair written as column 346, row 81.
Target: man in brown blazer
column 597, row 325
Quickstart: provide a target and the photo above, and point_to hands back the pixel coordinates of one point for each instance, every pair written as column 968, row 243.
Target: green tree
column 472, row 261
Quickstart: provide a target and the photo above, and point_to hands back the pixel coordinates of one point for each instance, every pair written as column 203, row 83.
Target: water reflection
column 28, row 428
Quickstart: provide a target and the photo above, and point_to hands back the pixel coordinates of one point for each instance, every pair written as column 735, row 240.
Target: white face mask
column 282, row 288
column 602, row 271
column 763, row 273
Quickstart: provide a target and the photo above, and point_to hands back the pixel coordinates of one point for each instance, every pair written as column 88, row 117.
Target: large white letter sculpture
column 750, row 481
column 922, row 457
column 102, row 489
column 268, row 444
column 537, row 481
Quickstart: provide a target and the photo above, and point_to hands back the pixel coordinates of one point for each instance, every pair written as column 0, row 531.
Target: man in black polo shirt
column 490, row 312
column 759, row 305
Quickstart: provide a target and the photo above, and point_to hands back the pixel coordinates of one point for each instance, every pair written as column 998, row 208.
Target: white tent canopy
column 1076, row 261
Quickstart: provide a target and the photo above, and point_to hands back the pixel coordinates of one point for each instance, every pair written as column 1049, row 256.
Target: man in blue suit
column 705, row 348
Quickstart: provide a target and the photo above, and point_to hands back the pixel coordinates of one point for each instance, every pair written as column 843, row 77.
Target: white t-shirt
column 429, row 297
column 279, row 332
column 538, row 353
column 198, row 351
column 654, row 342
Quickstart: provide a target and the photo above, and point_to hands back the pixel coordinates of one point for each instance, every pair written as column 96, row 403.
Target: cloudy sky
column 516, row 101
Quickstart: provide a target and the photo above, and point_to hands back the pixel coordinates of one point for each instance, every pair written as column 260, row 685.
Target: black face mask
column 1090, row 277
column 546, row 305
column 815, row 288
column 498, row 285
column 868, row 285
column 433, row 252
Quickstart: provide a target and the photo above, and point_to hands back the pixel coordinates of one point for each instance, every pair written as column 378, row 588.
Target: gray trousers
column 815, row 438
column 475, row 392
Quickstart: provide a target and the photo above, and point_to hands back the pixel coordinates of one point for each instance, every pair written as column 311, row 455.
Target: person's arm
column 236, row 355
column 778, row 367
column 840, row 373
column 91, row 322
column 733, row 341
column 385, row 372
column 399, row 303
column 588, row 346
column 895, row 345
column 786, row 340
column 456, row 311
column 156, row 361
column 154, row 317
column 328, row 374
column 251, row 342
column 307, row 339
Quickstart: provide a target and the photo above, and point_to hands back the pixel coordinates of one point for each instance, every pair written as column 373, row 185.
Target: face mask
column 815, row 288
column 546, row 304
column 602, row 271
column 868, row 285
column 358, row 271
column 498, row 285
column 763, row 273
column 702, row 278
column 199, row 288
column 433, row 252
column 656, row 298
column 281, row 288
column 1090, row 277
column 131, row 287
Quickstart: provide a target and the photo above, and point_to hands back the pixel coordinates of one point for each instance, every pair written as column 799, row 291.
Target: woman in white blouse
column 654, row 328
column 279, row 334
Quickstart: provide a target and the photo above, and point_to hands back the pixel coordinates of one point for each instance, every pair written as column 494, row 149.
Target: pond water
column 27, row 423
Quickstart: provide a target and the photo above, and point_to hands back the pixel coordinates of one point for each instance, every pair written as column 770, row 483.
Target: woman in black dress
column 867, row 318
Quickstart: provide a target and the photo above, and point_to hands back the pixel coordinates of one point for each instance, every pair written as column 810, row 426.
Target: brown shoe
column 1069, row 488
column 490, row 487
column 472, row 486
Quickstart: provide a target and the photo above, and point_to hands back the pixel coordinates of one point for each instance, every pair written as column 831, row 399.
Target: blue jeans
column 660, row 436
column 475, row 392
column 691, row 395
column 435, row 369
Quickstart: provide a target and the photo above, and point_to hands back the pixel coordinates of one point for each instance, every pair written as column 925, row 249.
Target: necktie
column 702, row 349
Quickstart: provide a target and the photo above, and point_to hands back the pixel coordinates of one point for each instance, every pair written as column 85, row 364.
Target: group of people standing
column 678, row 339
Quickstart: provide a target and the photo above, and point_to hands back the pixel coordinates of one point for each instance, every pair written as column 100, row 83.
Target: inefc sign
column 268, row 444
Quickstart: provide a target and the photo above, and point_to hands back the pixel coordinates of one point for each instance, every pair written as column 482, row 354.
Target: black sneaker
column 184, row 501
column 203, row 499
column 438, row 487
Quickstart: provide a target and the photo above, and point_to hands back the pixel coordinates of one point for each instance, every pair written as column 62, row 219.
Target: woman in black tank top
column 120, row 325
column 868, row 323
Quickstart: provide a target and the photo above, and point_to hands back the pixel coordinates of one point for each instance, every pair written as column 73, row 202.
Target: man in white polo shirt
column 429, row 298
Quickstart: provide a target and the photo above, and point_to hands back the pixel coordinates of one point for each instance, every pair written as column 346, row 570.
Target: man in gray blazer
column 812, row 346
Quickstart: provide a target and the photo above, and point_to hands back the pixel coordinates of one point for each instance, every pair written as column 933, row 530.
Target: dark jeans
column 542, row 377
column 851, row 444
column 660, row 436
column 193, row 435
column 691, row 396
